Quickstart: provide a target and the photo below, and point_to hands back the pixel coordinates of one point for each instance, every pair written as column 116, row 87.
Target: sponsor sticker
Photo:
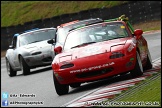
column 92, row 68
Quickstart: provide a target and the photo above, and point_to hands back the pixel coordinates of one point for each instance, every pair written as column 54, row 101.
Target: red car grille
column 93, row 73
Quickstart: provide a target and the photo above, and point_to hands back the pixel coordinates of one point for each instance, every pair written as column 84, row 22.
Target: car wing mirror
column 51, row 41
column 58, row 49
column 11, row 47
column 138, row 33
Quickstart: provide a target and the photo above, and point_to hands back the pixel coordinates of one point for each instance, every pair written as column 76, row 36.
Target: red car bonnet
column 91, row 49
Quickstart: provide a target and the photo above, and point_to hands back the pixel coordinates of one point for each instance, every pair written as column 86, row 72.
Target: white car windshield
column 36, row 36
column 95, row 33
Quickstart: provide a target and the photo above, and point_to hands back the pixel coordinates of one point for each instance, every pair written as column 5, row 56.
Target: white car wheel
column 24, row 67
column 10, row 71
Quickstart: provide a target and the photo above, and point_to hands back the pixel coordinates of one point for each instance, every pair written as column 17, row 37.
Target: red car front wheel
column 138, row 69
column 149, row 61
column 75, row 85
column 61, row 89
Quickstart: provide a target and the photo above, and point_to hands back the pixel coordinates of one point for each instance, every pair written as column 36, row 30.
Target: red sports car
column 99, row 51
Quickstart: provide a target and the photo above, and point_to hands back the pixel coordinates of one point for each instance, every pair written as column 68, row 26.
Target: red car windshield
column 95, row 33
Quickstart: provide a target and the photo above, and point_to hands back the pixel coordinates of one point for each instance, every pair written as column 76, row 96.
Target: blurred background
column 18, row 16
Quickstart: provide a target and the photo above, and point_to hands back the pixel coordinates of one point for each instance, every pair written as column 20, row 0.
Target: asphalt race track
column 40, row 87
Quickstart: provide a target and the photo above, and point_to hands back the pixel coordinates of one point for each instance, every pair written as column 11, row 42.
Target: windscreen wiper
column 83, row 44
column 116, row 38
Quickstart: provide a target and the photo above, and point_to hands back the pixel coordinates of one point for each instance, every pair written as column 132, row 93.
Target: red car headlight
column 131, row 47
column 116, row 55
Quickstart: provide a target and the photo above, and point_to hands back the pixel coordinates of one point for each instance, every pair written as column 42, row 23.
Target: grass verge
column 146, row 93
column 25, row 11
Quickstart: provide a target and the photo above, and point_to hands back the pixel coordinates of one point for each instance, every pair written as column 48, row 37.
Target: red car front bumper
column 99, row 69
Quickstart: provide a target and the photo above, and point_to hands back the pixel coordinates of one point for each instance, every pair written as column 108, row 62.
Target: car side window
column 14, row 42
column 56, row 37
column 61, row 34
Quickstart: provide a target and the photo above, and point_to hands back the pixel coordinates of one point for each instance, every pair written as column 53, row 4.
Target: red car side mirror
column 138, row 33
column 58, row 49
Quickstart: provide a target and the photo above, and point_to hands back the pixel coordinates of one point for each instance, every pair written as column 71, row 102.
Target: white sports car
column 29, row 50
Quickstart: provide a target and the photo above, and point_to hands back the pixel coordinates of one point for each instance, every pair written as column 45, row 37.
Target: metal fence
column 137, row 11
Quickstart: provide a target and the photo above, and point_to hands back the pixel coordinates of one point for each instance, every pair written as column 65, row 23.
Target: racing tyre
column 149, row 62
column 61, row 89
column 10, row 71
column 24, row 67
column 75, row 85
column 138, row 69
